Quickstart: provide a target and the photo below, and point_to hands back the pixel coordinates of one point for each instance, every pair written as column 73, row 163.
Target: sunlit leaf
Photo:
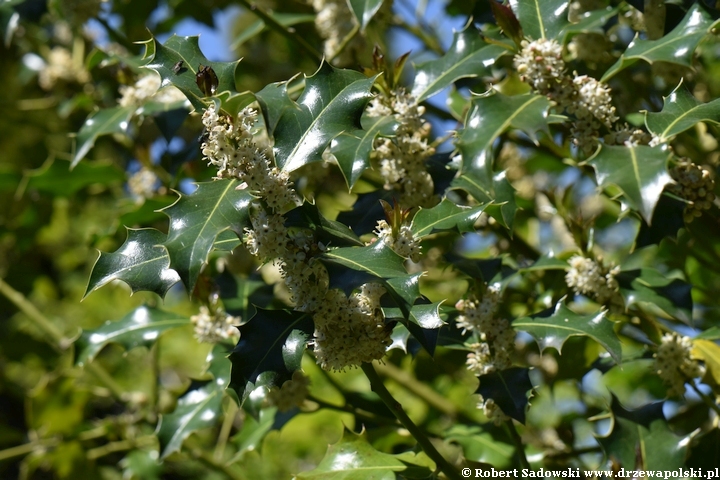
column 445, row 216
column 541, row 18
column 649, row 286
column 554, row 329
column 352, row 149
column 499, row 193
column 677, row 46
column 103, row 122
column 141, row 262
column 270, row 349
column 592, row 21
column 708, row 352
column 489, row 117
column 639, row 171
column 141, row 327
column 197, row 219
column 480, row 446
column 364, row 10
column 376, row 259
column 680, row 112
column 353, row 458
column 187, row 50
column 332, row 103
column 468, row 56
column 509, row 389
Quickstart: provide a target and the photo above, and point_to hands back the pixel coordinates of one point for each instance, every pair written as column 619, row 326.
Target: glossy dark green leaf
column 555, row 329
column 141, row 327
column 650, row 287
column 200, row 407
column 489, row 117
column 330, row 232
column 102, row 122
column 364, row 10
column 352, row 149
column 499, row 193
column 509, row 389
column 197, row 219
column 168, row 116
column 141, row 262
column 187, row 50
column 425, row 315
column 376, row 259
column 680, row 112
column 56, row 178
column 541, row 18
column 677, row 46
column 639, row 171
column 270, row 349
column 353, row 458
column 445, row 216
column 274, row 101
column 592, row 21
column 637, row 447
column 332, row 103
column 258, row 26
column 468, row 56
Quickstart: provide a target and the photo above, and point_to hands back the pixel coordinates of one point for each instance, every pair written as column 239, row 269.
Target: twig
column 21, row 450
column 519, row 447
column 225, row 430
column 361, row 414
column 378, row 387
column 209, row 460
column 708, row 401
column 345, row 42
column 289, row 34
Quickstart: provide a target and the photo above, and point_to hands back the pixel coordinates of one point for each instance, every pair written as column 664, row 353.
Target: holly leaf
column 479, row 446
column 592, row 21
column 650, row 287
column 200, row 407
column 352, row 149
column 274, row 101
column 258, row 26
column 332, row 103
column 541, row 18
column 270, row 349
column 445, row 216
column 554, row 329
column 327, row 231
column 377, row 259
column 141, row 327
column 165, row 58
column 639, row 171
column 364, row 10
column 637, row 447
column 498, row 192
column 103, row 122
column 197, row 219
column 681, row 111
column 546, row 262
column 141, row 262
column 708, row 352
column 55, row 177
column 676, row 47
column 468, row 56
column 353, row 458
column 509, row 389
column 490, row 116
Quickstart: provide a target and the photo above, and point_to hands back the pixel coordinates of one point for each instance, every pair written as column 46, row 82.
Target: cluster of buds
column 695, row 185
column 674, row 364
column 291, row 394
column 216, row 326
column 591, row 278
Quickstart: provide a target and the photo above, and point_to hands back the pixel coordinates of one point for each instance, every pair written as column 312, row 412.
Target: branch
column 378, row 387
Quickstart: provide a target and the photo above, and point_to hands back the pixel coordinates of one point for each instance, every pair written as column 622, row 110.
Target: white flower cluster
column 540, row 64
column 402, row 158
column 229, row 145
column 143, row 183
column 61, row 66
column 334, row 21
column 674, row 365
column 291, row 394
column 405, row 243
column 214, row 327
column 492, row 411
column 588, row 277
column 351, row 330
column 147, row 88
column 496, row 335
column 695, row 184
column 626, row 135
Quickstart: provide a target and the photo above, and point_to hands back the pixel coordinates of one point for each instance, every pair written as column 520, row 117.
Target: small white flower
column 674, row 364
column 213, row 328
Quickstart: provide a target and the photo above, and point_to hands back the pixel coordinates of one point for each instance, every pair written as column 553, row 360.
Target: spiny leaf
column 554, row 330
column 489, row 117
column 102, row 122
column 468, row 56
column 270, row 349
column 541, row 18
column 680, row 112
column 332, row 103
column 364, row 10
column 353, row 458
column 330, row 232
column 376, row 259
column 639, row 171
column 497, row 191
column 197, row 219
column 141, row 327
column 677, row 46
column 509, row 389
column 141, row 262
column 445, row 216
column 352, row 149
column 274, row 101
column 187, row 50
column 649, row 286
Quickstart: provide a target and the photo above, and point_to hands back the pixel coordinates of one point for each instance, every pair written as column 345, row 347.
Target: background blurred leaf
column 364, row 10
column 103, row 122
